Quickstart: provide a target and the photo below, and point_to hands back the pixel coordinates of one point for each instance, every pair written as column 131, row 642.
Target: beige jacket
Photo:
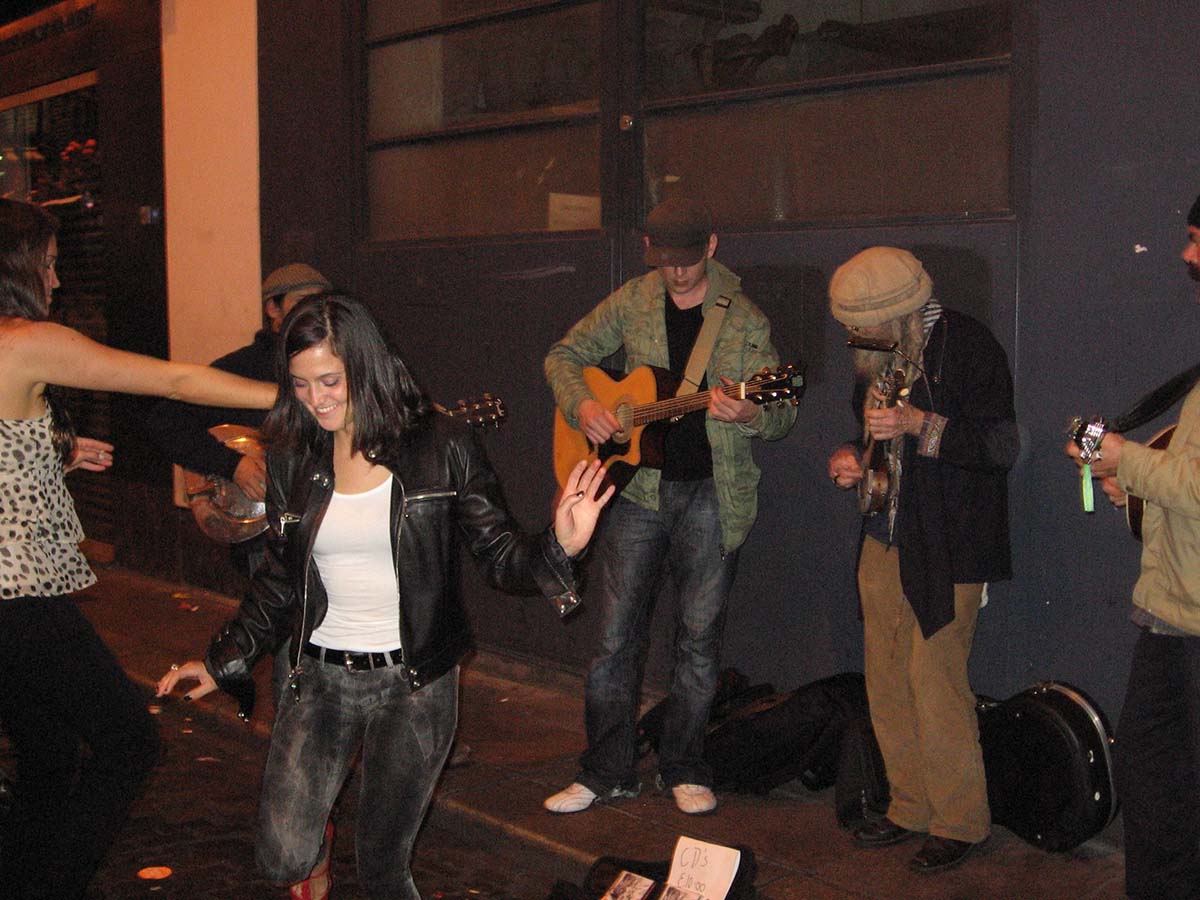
column 1169, row 480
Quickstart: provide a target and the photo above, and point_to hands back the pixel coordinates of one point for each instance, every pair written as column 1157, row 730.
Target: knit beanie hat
column 1194, row 215
column 878, row 285
column 293, row 277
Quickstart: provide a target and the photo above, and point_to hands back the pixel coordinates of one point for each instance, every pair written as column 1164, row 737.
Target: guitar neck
column 646, row 413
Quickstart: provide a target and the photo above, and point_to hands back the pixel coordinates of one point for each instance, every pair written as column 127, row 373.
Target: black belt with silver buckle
column 353, row 661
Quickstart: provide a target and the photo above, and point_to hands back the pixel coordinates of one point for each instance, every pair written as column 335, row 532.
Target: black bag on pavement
column 861, row 792
column 734, row 690
column 786, row 735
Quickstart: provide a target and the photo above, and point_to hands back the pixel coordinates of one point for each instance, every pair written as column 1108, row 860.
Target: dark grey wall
column 1107, row 162
column 1106, row 313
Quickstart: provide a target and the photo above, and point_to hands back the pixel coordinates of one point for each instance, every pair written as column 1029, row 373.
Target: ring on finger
column 174, row 667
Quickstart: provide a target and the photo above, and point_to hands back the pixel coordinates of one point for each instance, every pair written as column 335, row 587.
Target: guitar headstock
column 485, row 411
column 1087, row 435
column 783, row 384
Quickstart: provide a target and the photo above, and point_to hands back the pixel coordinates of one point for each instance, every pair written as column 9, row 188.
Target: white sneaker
column 578, row 797
column 694, row 799
column 571, row 799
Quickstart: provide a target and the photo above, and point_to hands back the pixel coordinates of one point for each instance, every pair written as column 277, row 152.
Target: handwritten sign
column 701, row 871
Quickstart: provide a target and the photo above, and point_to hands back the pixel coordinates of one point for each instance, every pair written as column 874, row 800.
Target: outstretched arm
column 44, row 352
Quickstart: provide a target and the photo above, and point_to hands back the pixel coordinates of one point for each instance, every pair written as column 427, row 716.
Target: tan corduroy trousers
column 922, row 706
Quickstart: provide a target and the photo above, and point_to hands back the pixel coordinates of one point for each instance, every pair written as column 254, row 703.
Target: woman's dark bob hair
column 25, row 233
column 386, row 402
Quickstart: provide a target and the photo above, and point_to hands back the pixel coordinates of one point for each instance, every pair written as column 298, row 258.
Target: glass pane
column 541, row 62
column 936, row 147
column 48, row 150
column 385, row 17
column 697, row 46
column 539, row 179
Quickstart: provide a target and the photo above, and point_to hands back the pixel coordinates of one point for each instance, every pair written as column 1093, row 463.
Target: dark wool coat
column 952, row 516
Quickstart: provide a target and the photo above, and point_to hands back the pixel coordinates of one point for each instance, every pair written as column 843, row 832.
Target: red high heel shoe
column 316, row 886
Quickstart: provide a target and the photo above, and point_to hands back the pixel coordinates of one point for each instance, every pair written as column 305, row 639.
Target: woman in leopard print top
column 60, row 686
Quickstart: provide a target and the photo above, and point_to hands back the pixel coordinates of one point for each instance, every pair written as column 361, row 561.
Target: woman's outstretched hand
column 89, row 453
column 192, row 670
column 579, row 506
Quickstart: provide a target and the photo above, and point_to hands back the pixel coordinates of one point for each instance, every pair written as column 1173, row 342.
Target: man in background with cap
column 1157, row 747
column 689, row 517
column 180, row 430
column 926, row 557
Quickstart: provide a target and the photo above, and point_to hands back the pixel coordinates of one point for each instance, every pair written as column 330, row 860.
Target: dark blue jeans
column 404, row 737
column 683, row 539
column 61, row 689
column 1157, row 769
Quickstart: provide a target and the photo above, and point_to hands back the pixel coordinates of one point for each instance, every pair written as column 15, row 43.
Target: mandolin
column 875, row 488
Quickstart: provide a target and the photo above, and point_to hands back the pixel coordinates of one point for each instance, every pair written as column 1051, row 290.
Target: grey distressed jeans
column 320, row 727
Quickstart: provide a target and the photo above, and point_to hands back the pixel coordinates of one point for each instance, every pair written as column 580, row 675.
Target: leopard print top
column 39, row 530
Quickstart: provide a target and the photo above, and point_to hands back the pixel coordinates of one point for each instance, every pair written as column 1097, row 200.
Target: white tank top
column 353, row 553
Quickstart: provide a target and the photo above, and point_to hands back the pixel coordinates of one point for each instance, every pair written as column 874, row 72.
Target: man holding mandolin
column 934, row 395
column 686, row 508
column 1157, row 748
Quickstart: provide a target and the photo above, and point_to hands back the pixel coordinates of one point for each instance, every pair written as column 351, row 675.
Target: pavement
column 487, row 835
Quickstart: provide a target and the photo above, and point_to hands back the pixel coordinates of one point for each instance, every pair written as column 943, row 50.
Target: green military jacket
column 633, row 317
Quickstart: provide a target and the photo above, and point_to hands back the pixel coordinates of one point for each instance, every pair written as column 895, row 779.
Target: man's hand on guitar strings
column 579, row 507
column 1112, row 490
column 597, row 423
column 251, row 476
column 728, row 409
column 888, row 422
column 1106, row 458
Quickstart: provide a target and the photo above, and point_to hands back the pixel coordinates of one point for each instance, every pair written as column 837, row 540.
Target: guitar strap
column 1157, row 402
column 703, row 348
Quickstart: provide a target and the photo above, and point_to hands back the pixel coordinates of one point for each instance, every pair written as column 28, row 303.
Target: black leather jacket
column 443, row 489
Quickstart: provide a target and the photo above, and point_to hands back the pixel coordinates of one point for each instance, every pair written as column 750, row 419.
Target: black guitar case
column 758, row 738
column 1046, row 752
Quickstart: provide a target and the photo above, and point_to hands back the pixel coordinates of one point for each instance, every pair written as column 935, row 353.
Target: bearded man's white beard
column 908, row 333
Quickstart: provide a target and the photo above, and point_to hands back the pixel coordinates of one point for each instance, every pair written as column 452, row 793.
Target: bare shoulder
column 28, row 337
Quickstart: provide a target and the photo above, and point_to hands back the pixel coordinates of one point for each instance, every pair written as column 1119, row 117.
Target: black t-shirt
column 687, row 455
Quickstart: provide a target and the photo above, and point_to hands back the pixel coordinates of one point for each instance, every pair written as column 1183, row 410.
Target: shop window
column 482, row 127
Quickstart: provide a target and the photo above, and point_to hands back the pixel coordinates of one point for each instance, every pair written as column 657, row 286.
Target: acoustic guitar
column 645, row 404
column 224, row 512
column 1088, row 435
column 874, row 488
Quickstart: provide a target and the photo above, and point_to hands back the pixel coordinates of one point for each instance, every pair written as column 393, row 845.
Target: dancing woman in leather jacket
column 369, row 492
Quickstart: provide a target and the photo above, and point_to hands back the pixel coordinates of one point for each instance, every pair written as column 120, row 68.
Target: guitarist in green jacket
column 693, row 513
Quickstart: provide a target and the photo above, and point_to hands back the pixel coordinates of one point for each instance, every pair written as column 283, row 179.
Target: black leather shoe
column 938, row 853
column 882, row 833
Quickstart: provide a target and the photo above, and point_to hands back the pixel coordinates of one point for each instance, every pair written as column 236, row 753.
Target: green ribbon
column 1085, row 488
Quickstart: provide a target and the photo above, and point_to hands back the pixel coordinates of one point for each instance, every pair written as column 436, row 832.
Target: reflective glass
column 535, row 179
column 934, row 147
column 701, row 46
column 545, row 62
